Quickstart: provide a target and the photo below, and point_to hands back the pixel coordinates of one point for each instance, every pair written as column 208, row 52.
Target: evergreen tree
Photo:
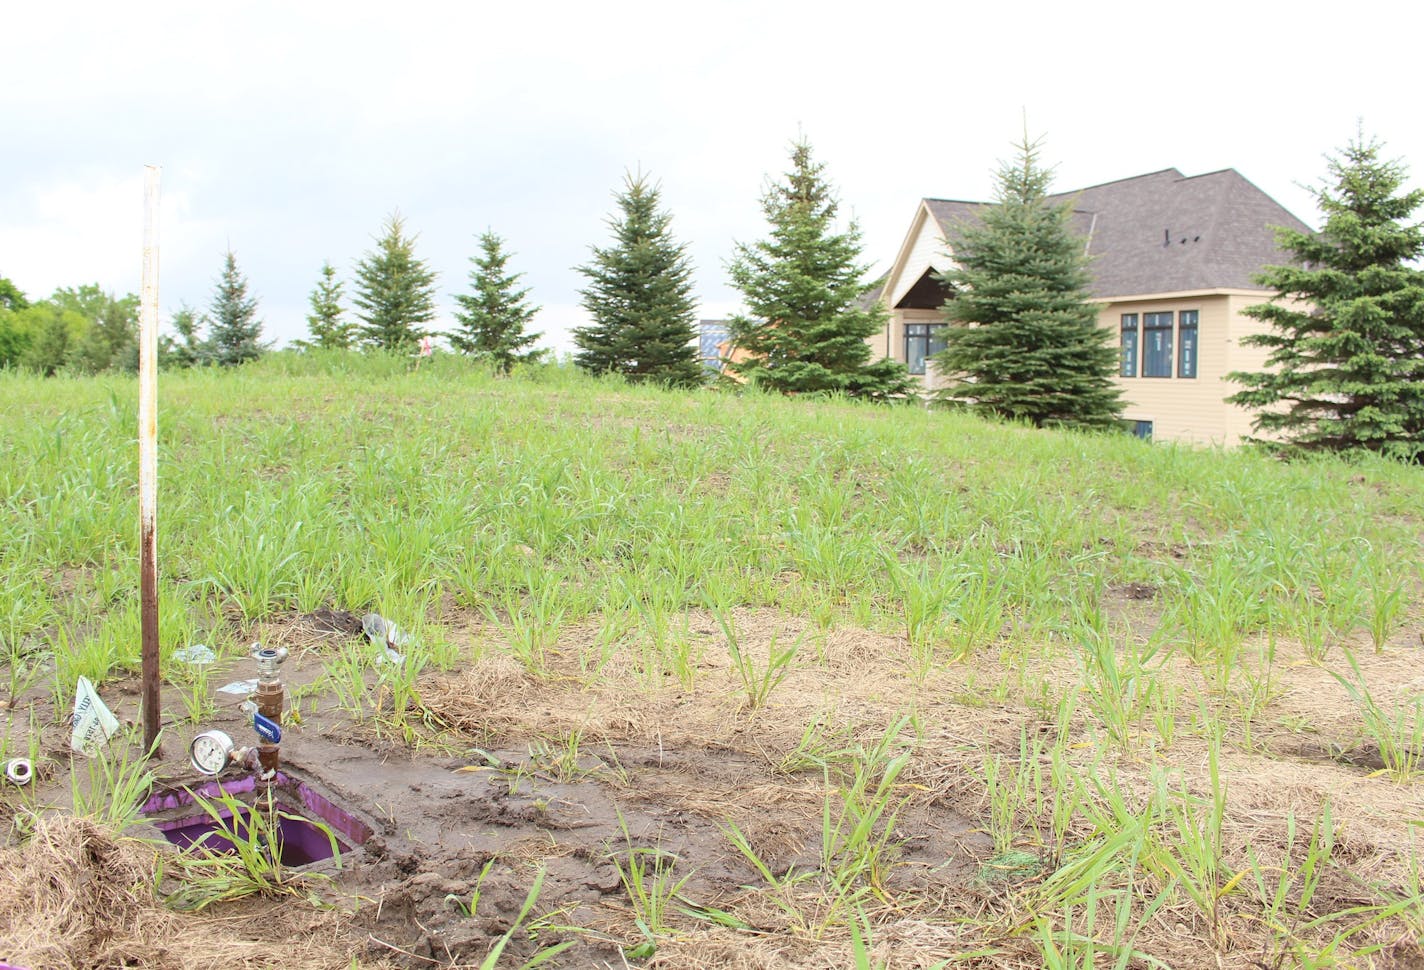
column 328, row 328
column 188, row 349
column 640, row 296
column 1346, row 362
column 394, row 290
column 492, row 318
column 804, row 289
column 1023, row 342
column 234, row 331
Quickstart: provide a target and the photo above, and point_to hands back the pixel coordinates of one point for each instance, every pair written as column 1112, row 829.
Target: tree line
column 1346, row 319
column 88, row 330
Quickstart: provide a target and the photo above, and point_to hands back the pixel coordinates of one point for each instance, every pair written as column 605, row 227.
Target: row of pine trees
column 803, row 287
column 394, row 300
column 804, row 331
column 1345, row 369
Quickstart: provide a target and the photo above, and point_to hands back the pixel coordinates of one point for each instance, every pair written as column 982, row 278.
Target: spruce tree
column 640, row 296
column 234, row 331
column 1023, row 342
column 1346, row 363
column 326, row 323
column 807, row 321
column 493, row 318
column 188, row 349
column 394, row 290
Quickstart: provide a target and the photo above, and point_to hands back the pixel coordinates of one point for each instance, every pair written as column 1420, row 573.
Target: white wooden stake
column 148, row 458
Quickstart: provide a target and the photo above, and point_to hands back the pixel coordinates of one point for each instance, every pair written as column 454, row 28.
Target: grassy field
column 835, row 685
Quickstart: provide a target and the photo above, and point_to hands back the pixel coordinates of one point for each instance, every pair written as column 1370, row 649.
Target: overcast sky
column 290, row 131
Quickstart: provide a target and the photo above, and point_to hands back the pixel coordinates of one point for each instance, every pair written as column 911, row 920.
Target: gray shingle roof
column 1164, row 232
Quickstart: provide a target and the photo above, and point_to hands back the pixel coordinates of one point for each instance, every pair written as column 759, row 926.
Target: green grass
column 644, row 520
column 286, row 487
column 205, row 875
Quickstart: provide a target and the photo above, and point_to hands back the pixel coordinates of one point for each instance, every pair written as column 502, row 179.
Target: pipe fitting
column 268, row 660
column 20, row 771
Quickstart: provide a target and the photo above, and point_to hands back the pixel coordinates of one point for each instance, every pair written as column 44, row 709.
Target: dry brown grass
column 73, row 897
column 860, row 682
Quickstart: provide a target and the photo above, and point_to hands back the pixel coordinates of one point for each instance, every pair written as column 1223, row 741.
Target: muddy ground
column 504, row 772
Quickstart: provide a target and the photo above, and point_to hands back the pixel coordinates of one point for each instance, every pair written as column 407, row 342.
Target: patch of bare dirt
column 570, row 767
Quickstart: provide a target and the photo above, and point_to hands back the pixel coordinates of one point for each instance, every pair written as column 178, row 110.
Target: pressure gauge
column 210, row 752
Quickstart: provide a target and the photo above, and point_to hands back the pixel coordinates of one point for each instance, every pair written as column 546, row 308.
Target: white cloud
column 289, row 130
column 78, row 230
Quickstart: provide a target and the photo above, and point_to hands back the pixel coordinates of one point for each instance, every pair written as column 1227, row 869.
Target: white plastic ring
column 19, row 770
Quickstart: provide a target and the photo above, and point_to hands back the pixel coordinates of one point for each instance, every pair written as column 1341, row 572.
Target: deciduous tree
column 58, row 337
column 14, row 337
column 110, row 340
column 11, row 298
column 187, row 349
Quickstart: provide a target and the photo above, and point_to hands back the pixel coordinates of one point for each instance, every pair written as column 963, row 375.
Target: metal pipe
column 148, row 461
column 270, row 698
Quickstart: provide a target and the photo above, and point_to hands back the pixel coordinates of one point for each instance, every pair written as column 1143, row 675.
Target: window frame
column 928, row 336
column 1158, row 363
column 1188, row 359
column 1127, row 348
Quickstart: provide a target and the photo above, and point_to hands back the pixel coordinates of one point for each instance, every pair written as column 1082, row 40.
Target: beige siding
column 928, row 250
column 1191, row 409
column 924, row 249
column 1244, row 358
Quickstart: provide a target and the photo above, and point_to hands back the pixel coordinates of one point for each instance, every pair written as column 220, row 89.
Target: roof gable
column 1162, row 232
column 927, row 293
column 925, row 249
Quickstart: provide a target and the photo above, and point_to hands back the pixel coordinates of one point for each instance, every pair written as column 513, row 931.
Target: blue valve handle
column 267, row 729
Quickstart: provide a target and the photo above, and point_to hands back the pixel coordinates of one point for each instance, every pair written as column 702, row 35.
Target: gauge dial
column 210, row 751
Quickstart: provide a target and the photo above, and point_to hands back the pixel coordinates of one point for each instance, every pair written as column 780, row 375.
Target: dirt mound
column 73, row 897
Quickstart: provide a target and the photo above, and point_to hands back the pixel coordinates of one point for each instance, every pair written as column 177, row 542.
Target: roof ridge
column 1228, row 216
column 1215, row 171
column 1127, row 178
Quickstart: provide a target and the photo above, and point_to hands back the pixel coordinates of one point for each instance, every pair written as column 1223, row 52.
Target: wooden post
column 148, row 458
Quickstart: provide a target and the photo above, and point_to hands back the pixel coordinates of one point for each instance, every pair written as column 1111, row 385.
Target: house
column 711, row 336
column 1172, row 260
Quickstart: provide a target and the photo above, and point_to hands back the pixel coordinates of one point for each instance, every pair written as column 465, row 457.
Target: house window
column 922, row 340
column 1157, row 344
column 1129, row 345
column 1142, row 429
column 1187, row 343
